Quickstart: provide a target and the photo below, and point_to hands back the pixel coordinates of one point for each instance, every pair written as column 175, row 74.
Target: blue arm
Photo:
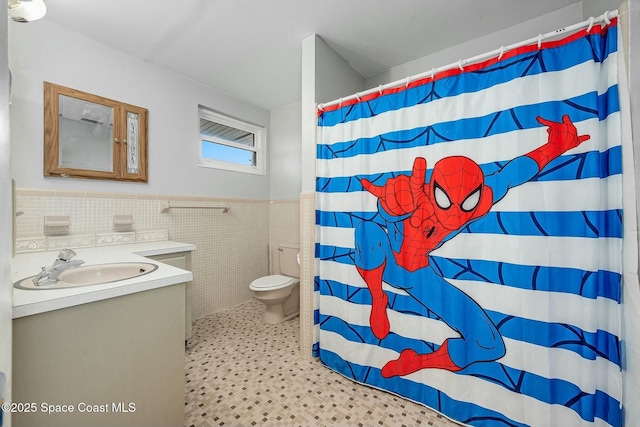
column 516, row 172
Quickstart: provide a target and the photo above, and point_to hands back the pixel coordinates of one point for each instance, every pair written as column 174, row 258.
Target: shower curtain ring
column 539, row 41
column 591, row 19
column 460, row 64
column 433, row 73
column 380, row 89
column 340, row 103
column 358, row 96
column 406, row 85
column 606, row 17
column 501, row 53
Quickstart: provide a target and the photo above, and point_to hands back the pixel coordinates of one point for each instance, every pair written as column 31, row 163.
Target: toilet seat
column 267, row 283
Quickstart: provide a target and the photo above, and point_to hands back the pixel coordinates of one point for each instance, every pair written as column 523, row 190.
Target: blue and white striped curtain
column 469, row 237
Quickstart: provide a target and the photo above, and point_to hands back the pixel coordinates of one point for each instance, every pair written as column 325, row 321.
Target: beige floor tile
column 243, row 372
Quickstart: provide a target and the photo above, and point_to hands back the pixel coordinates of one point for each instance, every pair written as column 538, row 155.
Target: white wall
column 43, row 51
column 284, row 154
column 598, row 7
column 334, row 76
column 6, row 220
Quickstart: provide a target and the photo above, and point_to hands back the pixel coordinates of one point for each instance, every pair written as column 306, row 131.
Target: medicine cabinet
column 88, row 136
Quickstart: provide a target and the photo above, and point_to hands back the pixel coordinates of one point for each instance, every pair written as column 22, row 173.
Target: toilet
column 280, row 293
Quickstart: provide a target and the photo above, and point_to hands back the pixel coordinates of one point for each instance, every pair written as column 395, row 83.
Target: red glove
column 562, row 137
column 403, row 194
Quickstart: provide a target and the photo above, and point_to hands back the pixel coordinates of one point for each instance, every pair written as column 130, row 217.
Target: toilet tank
column 289, row 260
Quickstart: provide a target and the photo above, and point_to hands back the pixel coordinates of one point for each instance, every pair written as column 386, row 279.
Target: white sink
column 92, row 275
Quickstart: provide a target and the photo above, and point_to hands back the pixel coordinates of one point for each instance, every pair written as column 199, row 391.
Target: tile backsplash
column 233, row 248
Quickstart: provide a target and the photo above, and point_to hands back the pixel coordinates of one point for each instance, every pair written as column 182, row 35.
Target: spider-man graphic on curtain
column 422, row 216
column 469, row 237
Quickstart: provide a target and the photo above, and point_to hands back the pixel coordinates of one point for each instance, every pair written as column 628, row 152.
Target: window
column 231, row 144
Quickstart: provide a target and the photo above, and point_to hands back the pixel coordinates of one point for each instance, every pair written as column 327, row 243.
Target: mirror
column 85, row 135
column 89, row 136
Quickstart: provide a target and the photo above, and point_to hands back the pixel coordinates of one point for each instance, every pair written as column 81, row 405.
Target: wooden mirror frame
column 125, row 128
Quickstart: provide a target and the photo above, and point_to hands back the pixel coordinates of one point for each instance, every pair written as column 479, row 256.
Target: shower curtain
column 469, row 237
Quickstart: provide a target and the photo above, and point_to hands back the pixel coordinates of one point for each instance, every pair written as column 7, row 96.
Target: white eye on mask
column 471, row 201
column 442, row 199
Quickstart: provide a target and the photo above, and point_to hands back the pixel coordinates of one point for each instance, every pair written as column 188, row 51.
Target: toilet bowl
column 280, row 292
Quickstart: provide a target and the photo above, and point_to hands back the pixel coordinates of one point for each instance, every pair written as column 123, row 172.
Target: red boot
column 410, row 362
column 378, row 319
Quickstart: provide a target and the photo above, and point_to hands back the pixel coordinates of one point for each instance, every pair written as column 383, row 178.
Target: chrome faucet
column 49, row 275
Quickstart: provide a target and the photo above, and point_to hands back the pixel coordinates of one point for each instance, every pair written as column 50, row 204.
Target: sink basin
column 92, row 275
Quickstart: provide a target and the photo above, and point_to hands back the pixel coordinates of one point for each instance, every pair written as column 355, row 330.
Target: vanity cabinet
column 113, row 362
column 180, row 260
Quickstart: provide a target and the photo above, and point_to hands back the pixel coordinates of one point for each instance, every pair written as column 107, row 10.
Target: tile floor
column 243, row 372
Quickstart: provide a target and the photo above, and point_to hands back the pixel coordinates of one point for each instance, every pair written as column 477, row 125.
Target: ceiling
column 251, row 49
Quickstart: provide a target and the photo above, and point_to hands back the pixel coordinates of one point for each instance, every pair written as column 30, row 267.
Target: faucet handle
column 66, row 254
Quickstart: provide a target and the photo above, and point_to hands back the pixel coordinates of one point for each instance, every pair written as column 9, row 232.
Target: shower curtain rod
column 606, row 17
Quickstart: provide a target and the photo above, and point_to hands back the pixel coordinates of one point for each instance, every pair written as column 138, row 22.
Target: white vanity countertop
column 29, row 302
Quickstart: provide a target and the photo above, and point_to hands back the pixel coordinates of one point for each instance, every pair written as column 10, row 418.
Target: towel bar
column 166, row 205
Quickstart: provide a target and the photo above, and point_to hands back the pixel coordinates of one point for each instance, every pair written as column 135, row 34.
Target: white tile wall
column 283, row 228
column 307, row 272
column 232, row 248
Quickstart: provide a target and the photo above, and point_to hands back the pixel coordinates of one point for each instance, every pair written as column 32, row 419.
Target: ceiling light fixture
column 26, row 10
